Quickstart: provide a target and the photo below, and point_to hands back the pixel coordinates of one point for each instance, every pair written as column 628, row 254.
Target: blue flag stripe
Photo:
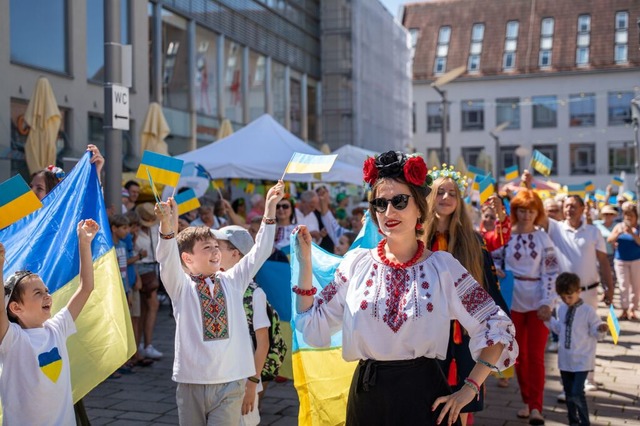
column 185, row 196
column 13, row 189
column 162, row 162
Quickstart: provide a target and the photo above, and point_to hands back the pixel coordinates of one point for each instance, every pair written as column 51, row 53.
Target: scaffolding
column 366, row 76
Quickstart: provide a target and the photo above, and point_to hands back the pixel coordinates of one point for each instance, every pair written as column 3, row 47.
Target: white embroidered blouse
column 532, row 259
column 396, row 314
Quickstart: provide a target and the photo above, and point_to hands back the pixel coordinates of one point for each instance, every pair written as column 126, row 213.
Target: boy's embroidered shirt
column 215, row 321
column 35, row 385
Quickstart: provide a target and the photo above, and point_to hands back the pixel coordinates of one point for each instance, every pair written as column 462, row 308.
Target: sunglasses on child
column 399, row 202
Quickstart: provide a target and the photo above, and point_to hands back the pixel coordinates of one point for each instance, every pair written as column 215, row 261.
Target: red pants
column 531, row 335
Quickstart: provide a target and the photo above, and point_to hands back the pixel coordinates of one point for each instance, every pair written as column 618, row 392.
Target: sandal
column 624, row 316
column 535, row 418
column 523, row 413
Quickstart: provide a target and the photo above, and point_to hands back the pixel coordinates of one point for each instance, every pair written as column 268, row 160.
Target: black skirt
column 396, row 393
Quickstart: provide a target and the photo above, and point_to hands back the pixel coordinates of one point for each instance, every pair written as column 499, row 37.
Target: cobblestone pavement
column 147, row 397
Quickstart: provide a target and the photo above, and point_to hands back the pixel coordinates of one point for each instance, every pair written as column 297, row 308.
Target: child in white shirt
column 578, row 327
column 35, row 385
column 213, row 356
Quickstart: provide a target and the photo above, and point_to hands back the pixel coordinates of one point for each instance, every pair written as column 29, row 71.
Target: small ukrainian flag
column 629, row 195
column 473, row 171
column 486, row 189
column 511, row 173
column 589, row 186
column 17, row 200
column 306, row 163
column 163, row 169
column 617, row 181
column 187, row 201
column 578, row 189
column 614, row 325
column 600, row 195
column 541, row 163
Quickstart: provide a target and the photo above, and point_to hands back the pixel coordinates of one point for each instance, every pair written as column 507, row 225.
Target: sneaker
column 590, row 387
column 562, row 397
column 552, row 347
column 151, row 352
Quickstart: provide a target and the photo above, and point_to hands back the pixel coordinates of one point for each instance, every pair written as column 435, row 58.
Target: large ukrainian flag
column 45, row 242
column 321, row 376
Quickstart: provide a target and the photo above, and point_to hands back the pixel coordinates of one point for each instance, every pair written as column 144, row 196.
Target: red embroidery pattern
column 329, row 291
column 465, row 275
column 396, row 287
column 475, row 299
column 363, row 305
column 215, row 323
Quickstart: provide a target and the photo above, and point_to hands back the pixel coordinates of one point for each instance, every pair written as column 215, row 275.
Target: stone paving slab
column 147, row 397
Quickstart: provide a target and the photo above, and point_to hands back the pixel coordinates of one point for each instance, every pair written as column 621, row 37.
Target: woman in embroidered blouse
column 286, row 222
column 394, row 305
column 530, row 256
column 448, row 228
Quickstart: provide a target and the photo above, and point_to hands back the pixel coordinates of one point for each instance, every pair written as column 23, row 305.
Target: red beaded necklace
column 396, row 265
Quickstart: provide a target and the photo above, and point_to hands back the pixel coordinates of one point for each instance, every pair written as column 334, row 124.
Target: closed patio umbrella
column 43, row 117
column 154, row 130
column 225, row 129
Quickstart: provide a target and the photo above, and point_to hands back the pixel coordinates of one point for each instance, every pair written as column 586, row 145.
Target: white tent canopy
column 354, row 155
column 261, row 150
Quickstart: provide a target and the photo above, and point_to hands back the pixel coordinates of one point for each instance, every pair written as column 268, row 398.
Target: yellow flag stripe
column 15, row 210
column 188, row 205
column 160, row 176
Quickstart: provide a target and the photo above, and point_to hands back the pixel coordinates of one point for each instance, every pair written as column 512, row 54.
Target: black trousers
column 396, row 393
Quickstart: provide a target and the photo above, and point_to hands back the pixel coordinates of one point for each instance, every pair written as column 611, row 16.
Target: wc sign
column 117, row 113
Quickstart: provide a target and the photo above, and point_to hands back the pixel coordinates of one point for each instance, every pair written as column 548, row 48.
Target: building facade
column 203, row 60
column 553, row 75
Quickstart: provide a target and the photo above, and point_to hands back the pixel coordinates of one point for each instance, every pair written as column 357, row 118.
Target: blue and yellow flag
column 164, row 170
column 589, row 186
column 486, row 189
column 629, row 195
column 541, row 163
column 17, row 200
column 46, row 243
column 577, row 189
column 473, row 171
column 321, row 376
column 187, row 201
column 614, row 325
column 600, row 195
column 511, row 173
column 306, row 163
column 617, row 181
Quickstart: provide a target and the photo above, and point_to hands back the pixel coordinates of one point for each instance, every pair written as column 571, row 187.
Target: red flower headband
column 396, row 164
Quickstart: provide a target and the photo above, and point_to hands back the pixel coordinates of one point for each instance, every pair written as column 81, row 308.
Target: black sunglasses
column 399, row 202
column 283, row 206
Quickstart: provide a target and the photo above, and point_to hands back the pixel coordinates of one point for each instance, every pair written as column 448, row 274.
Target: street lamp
column 494, row 134
column 437, row 85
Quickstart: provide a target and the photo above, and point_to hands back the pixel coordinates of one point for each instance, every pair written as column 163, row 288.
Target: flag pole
column 285, row 169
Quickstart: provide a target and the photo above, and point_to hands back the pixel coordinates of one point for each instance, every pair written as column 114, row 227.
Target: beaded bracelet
column 268, row 220
column 473, row 386
column 300, row 292
column 491, row 366
column 168, row 236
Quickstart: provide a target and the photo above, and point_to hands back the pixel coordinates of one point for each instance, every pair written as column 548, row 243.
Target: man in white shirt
column 305, row 214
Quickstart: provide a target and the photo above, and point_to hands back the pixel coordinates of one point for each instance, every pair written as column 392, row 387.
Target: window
column 550, row 151
column 508, row 109
column 545, row 110
column 472, row 154
column 583, row 40
column 582, row 110
column 477, row 35
column 312, row 106
column 619, row 106
column 621, row 38
column 434, row 117
column 414, row 33
column 38, row 33
column 621, row 157
column 278, row 71
column 256, row 96
column 442, row 51
column 206, row 71
column 583, row 158
column 508, row 157
column 295, row 97
column 175, row 81
column 473, row 115
column 546, row 42
column 510, row 46
column 95, row 36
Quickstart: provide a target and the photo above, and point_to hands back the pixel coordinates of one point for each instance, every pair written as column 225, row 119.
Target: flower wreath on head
column 394, row 164
column 454, row 175
column 57, row 172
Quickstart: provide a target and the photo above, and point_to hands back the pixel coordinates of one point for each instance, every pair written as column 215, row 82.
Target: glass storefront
column 256, row 96
column 233, row 81
column 95, row 36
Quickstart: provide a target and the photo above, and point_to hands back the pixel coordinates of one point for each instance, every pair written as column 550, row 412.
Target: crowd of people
column 425, row 306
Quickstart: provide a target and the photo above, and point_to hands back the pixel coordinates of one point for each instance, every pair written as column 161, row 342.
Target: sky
column 393, row 5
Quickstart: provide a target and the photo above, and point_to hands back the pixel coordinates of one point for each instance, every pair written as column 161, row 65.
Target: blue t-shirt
column 131, row 269
column 627, row 248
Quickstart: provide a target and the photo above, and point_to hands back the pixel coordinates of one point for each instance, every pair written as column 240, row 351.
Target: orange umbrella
column 154, row 130
column 43, row 117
